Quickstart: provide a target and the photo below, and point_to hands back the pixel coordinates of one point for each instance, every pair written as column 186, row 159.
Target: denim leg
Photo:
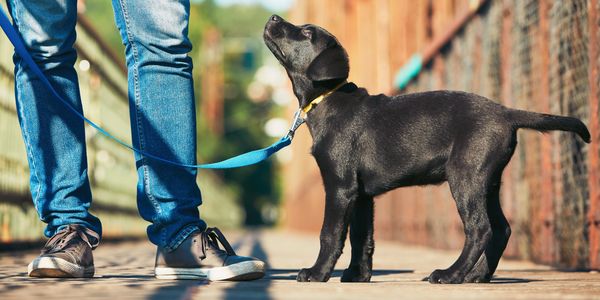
column 54, row 138
column 162, row 109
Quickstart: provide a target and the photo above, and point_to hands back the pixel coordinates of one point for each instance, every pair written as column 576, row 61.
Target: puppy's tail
column 545, row 122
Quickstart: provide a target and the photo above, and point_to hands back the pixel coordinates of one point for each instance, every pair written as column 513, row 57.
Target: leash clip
column 298, row 120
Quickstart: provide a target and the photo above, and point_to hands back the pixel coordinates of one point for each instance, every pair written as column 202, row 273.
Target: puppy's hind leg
column 361, row 239
column 469, row 193
column 487, row 263
column 486, row 266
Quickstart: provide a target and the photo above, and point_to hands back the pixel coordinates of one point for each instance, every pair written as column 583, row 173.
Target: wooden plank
column 594, row 163
column 547, row 246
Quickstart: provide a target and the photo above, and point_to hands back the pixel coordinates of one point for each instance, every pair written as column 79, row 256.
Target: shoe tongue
column 215, row 237
column 56, row 243
column 213, row 244
column 212, row 240
column 211, row 252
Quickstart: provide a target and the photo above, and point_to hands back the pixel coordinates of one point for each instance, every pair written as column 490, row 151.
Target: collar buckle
column 298, row 120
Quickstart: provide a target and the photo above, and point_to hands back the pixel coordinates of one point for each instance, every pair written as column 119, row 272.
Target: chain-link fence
column 508, row 53
column 538, row 55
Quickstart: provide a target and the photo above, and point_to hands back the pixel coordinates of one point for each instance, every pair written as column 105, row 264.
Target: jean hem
column 182, row 236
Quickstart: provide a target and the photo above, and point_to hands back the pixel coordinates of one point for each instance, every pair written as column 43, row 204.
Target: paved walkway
column 124, row 270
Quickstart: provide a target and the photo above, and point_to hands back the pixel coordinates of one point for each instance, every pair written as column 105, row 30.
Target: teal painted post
column 409, row 71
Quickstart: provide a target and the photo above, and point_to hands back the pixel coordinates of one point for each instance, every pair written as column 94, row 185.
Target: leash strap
column 241, row 160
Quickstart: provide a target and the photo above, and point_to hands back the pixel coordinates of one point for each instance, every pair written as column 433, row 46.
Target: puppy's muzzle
column 273, row 27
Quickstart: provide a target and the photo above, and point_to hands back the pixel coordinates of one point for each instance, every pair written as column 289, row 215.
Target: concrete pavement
column 124, row 270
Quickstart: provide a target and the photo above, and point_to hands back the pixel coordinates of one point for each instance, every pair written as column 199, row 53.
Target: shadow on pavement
column 501, row 280
column 505, row 280
column 180, row 289
column 259, row 288
column 290, row 274
column 550, row 270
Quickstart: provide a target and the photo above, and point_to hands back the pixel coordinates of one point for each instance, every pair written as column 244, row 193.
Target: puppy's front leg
column 339, row 202
column 361, row 239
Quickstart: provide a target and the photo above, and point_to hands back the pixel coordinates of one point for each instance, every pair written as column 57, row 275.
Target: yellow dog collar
column 317, row 100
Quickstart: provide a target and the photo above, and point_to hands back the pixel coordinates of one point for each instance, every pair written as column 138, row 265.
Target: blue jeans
column 162, row 111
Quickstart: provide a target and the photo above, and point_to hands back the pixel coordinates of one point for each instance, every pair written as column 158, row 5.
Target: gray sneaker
column 200, row 257
column 67, row 254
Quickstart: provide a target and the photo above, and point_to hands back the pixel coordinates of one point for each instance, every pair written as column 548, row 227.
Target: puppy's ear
column 330, row 64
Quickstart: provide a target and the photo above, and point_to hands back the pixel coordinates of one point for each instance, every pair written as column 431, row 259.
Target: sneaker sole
column 247, row 270
column 57, row 267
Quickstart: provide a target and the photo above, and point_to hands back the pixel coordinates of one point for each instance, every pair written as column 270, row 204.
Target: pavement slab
column 124, row 271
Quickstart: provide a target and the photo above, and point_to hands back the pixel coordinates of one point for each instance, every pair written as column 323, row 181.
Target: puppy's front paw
column 444, row 276
column 309, row 275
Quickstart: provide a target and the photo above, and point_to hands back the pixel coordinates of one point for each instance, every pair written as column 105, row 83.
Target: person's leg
column 162, row 109
column 54, row 137
column 163, row 122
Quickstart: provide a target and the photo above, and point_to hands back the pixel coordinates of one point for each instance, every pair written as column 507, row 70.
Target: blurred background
column 538, row 55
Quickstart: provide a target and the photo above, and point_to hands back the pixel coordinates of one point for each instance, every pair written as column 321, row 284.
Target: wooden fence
column 536, row 55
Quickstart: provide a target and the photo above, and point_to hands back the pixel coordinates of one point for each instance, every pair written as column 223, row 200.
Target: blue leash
column 241, row 160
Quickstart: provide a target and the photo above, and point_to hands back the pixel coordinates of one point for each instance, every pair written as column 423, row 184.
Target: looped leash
column 241, row 160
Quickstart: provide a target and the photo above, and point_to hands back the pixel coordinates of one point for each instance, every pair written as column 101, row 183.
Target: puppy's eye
column 307, row 33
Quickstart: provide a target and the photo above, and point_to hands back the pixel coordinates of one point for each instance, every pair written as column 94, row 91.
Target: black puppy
column 366, row 145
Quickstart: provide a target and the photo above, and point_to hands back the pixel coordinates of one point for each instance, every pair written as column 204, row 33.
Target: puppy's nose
column 275, row 19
